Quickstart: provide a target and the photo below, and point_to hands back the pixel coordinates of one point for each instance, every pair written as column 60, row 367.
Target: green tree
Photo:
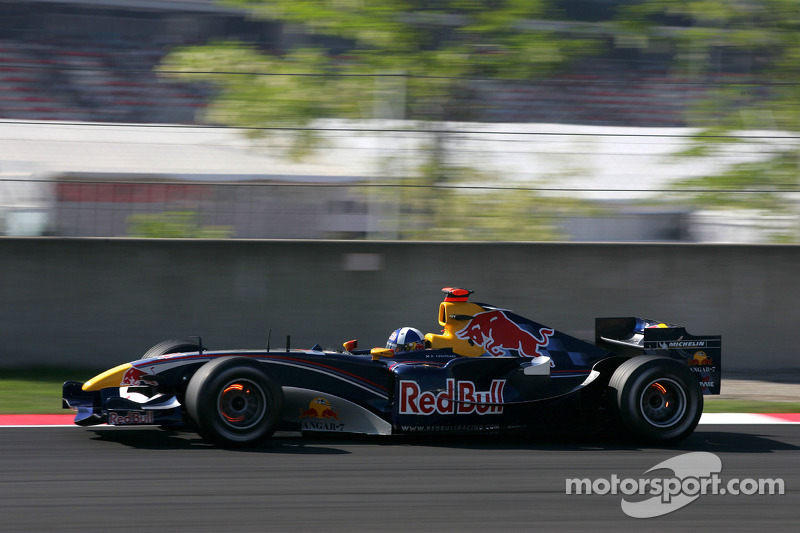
column 174, row 225
column 410, row 59
column 435, row 46
column 762, row 39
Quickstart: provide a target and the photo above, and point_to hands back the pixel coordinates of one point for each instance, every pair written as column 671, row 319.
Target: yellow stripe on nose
column 109, row 378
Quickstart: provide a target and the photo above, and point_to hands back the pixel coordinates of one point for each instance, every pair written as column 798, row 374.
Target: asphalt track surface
column 145, row 479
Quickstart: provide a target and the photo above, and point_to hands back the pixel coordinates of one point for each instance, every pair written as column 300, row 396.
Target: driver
column 406, row 340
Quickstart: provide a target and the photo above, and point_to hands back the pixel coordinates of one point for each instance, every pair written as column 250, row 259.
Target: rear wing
column 631, row 336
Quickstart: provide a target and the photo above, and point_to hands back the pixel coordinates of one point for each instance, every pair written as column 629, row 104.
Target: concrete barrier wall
column 100, row 302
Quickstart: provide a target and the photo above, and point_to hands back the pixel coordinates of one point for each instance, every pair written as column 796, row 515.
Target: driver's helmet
column 406, row 340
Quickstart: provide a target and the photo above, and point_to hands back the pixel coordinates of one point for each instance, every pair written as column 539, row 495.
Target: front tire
column 234, row 401
column 658, row 399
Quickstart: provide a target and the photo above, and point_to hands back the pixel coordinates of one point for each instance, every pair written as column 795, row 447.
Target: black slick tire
column 234, row 401
column 171, row 346
column 658, row 399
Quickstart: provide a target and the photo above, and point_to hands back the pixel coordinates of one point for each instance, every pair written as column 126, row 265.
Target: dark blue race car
column 488, row 371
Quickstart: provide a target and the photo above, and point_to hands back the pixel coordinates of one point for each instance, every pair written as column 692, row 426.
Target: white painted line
column 749, row 418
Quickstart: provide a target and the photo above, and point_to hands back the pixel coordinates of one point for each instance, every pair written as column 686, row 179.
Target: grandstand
column 91, row 81
column 94, row 60
column 612, row 96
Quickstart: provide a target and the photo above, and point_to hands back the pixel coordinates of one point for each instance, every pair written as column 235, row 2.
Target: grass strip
column 36, row 391
column 733, row 405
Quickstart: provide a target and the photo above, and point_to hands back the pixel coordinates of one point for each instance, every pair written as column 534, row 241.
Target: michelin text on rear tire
column 658, row 399
column 234, row 401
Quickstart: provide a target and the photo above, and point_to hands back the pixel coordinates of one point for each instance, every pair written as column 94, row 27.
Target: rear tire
column 234, row 401
column 171, row 346
column 658, row 399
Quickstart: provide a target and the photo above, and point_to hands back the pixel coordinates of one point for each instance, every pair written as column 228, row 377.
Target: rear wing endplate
column 634, row 336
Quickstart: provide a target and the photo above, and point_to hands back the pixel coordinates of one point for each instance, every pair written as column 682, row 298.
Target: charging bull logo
column 496, row 333
column 133, row 377
column 320, row 408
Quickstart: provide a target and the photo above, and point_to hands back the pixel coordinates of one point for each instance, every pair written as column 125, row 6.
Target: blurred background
column 537, row 120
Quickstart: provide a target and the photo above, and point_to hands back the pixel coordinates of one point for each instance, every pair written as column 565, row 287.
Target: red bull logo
column 496, row 333
column 320, row 408
column 133, row 377
column 700, row 359
column 458, row 398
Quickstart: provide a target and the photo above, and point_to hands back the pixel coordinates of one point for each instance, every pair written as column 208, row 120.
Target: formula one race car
column 488, row 371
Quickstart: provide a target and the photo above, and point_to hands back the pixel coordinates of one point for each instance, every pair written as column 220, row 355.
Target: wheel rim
column 242, row 404
column 663, row 402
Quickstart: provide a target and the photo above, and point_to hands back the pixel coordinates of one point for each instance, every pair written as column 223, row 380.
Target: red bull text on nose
column 496, row 333
column 459, row 398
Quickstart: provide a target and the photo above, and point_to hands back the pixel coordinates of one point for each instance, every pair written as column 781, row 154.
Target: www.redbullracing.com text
column 694, row 474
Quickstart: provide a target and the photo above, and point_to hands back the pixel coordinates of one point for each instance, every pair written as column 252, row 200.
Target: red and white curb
column 36, row 420
column 706, row 419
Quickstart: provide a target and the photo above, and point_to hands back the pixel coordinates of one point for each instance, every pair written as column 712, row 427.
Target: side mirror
column 349, row 346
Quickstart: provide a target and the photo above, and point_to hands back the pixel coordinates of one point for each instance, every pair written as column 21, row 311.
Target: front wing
column 118, row 407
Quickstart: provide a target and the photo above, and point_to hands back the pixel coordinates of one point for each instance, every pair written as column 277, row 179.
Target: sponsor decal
column 458, row 398
column 700, row 359
column 671, row 345
column 131, row 418
column 706, row 383
column 320, row 415
column 133, row 377
column 496, row 333
column 319, row 425
column 471, row 428
column 702, row 369
column 320, row 408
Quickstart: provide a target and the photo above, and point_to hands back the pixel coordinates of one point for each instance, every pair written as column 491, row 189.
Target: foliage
column 36, row 390
column 174, row 225
column 402, row 59
column 763, row 36
column 468, row 210
column 432, row 46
